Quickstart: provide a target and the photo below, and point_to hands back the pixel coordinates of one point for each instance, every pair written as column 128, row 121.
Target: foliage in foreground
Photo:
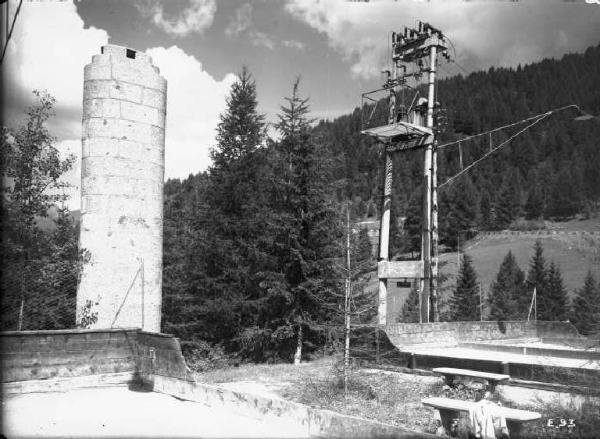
column 40, row 259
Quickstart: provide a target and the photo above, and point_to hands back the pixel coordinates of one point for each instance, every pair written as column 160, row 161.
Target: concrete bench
column 450, row 409
column 488, row 379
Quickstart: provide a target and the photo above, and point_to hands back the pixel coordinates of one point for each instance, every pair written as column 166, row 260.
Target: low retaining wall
column 452, row 333
column 41, row 361
column 529, row 350
column 319, row 423
column 41, row 355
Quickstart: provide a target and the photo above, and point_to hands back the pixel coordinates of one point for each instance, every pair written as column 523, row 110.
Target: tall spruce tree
column 507, row 291
column 558, row 300
column 537, row 277
column 464, row 303
column 232, row 224
column 585, row 314
column 306, row 236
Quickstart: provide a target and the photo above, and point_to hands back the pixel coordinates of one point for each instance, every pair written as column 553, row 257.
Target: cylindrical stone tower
column 122, row 177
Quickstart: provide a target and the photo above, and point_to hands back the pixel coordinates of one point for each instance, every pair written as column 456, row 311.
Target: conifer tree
column 507, row 291
column 534, row 207
column 464, row 304
column 461, row 207
column 508, row 201
column 227, row 247
column 412, row 224
column 410, row 308
column 537, row 277
column 306, row 235
column 558, row 300
column 586, row 307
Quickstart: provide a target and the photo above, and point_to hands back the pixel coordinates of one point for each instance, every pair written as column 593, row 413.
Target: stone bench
column 450, row 409
column 488, row 379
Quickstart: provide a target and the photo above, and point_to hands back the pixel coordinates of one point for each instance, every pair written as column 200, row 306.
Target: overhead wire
column 12, row 27
column 487, row 154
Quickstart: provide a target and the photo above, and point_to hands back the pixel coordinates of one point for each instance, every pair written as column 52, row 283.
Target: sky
column 337, row 48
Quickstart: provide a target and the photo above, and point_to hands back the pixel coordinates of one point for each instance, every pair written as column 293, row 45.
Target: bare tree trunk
column 347, row 305
column 20, row 324
column 298, row 354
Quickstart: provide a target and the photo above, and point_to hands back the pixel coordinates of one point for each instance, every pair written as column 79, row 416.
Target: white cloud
column 241, row 25
column 241, row 20
column 293, row 44
column 485, row 33
column 51, row 54
column 196, row 18
column 194, row 101
column 261, row 39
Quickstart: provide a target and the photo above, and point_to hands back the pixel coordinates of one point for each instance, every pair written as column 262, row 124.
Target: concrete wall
column 160, row 355
column 41, row 361
column 41, row 355
column 452, row 333
column 122, row 176
column 403, row 334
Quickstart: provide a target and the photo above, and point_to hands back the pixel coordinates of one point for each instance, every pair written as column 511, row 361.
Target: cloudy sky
column 337, row 47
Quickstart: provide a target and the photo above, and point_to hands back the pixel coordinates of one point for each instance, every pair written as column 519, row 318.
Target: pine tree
column 228, row 249
column 534, row 208
column 537, row 277
column 464, row 304
column 461, row 207
column 586, row 307
column 507, row 291
column 306, row 236
column 410, row 309
column 565, row 198
column 412, row 224
column 508, row 205
column 557, row 296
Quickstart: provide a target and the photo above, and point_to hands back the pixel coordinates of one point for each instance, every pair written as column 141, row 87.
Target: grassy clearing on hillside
column 575, row 255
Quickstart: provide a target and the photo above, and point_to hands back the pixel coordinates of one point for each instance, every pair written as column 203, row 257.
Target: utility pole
column 384, row 234
column 410, row 48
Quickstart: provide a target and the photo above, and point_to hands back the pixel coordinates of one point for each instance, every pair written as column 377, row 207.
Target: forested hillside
column 550, row 171
column 255, row 249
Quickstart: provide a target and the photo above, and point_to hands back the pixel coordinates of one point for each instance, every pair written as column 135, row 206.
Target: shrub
column 201, row 356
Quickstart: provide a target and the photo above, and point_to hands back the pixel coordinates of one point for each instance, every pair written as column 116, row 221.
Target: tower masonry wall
column 122, row 177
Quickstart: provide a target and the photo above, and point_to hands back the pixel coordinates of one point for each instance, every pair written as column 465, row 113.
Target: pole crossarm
column 399, row 131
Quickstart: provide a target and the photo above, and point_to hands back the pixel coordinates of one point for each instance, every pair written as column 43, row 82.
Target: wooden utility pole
column 384, row 234
column 408, row 49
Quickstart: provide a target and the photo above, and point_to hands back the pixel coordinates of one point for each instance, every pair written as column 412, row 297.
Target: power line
column 537, row 116
column 451, row 179
column 12, row 27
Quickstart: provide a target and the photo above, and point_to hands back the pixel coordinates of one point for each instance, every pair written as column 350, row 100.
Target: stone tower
column 122, row 177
